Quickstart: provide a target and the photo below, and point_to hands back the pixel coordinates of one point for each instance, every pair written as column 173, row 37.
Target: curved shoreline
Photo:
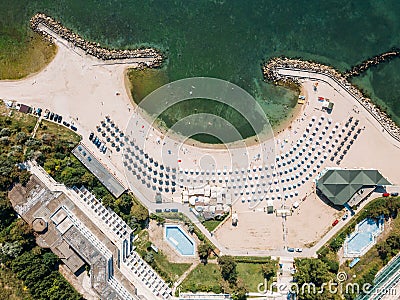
column 271, row 73
column 92, row 48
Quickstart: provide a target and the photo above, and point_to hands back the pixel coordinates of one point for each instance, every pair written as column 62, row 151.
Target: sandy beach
column 85, row 90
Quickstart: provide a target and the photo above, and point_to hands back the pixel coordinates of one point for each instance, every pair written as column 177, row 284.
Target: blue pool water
column 179, row 240
column 363, row 236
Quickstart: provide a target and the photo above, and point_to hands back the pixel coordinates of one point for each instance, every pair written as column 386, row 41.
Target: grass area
column 12, row 288
column 211, row 224
column 251, row 275
column 17, row 120
column 167, row 270
column 20, row 59
column 205, row 278
column 54, row 130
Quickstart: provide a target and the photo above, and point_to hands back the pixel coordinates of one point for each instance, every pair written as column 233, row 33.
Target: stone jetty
column 374, row 61
column 271, row 74
column 40, row 20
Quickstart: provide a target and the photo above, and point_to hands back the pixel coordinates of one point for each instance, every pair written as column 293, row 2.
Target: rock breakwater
column 40, row 22
column 371, row 62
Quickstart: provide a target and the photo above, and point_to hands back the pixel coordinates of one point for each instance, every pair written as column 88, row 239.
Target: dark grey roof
column 339, row 186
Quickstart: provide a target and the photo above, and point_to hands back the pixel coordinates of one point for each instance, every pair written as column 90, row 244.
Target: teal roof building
column 340, row 185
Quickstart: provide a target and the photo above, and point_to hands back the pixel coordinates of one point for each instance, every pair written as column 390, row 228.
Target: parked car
column 51, row 116
column 335, row 222
column 299, row 249
column 385, row 194
column 158, row 210
column 345, row 217
column 174, row 210
column 290, row 249
column 167, row 210
column 394, row 194
column 55, row 117
column 74, row 128
column 91, row 136
column 59, row 119
column 46, row 115
column 89, row 158
column 66, row 124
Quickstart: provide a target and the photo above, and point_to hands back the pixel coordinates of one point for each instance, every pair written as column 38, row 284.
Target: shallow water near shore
column 230, row 39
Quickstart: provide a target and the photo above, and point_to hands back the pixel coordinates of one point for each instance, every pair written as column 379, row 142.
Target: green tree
column 203, row 249
column 140, row 214
column 227, row 266
column 311, row 271
column 240, row 291
column 269, row 268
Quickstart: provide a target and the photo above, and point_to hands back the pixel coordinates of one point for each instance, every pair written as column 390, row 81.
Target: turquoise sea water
column 230, row 39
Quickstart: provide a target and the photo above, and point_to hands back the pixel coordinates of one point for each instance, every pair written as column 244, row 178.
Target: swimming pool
column 363, row 237
column 179, row 240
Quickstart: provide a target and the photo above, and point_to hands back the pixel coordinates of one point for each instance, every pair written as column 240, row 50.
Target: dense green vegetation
column 313, row 271
column 11, row 287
